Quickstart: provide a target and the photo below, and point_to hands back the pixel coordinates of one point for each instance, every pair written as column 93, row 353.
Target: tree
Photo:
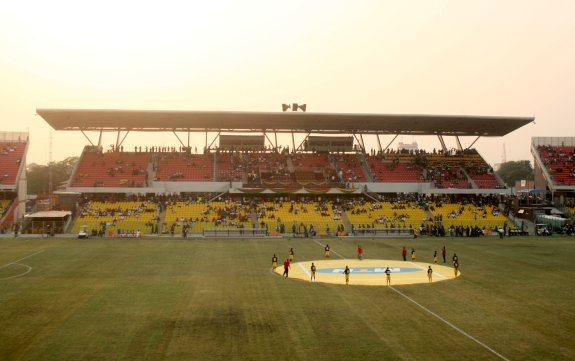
column 515, row 170
column 38, row 175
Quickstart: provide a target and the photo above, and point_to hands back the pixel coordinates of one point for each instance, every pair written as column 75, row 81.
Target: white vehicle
column 542, row 229
column 83, row 233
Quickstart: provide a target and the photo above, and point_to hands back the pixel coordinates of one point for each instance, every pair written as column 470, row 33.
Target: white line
column 416, row 265
column 306, row 272
column 451, row 325
column 440, row 275
column 423, row 269
column 331, row 250
column 21, row 274
column 442, row 319
column 33, row 254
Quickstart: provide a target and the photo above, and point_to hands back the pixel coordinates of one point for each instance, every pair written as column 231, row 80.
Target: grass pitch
column 216, row 299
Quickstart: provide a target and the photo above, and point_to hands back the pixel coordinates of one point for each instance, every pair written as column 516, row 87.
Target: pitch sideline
column 438, row 317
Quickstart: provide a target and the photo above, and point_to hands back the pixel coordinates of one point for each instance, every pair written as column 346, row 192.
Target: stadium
column 164, row 252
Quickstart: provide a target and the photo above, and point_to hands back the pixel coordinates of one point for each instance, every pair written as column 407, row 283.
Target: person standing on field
column 456, row 267
column 359, row 253
column 291, row 255
column 274, row 261
column 312, row 272
column 413, row 254
column 346, row 273
column 388, row 276
column 429, row 274
column 435, row 257
column 286, row 268
column 443, row 253
column 327, row 251
column 404, row 253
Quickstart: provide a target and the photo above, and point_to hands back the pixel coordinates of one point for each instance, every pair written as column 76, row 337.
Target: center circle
column 369, row 272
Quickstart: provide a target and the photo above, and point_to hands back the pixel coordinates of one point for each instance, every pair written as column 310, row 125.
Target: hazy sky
column 514, row 58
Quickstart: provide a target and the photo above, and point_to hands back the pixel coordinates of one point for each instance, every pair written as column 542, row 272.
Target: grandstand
column 111, row 169
column 554, row 164
column 118, row 217
column 13, row 150
column 303, row 186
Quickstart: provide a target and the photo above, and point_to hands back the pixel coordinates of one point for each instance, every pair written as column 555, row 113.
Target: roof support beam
column 269, row 140
column 476, row 139
column 292, row 142
column 459, row 147
column 378, row 143
column 276, row 139
column 394, row 138
column 89, row 138
column 300, row 147
column 213, row 141
column 443, row 146
column 100, row 138
column 118, row 140
column 359, row 141
column 182, row 143
column 122, row 141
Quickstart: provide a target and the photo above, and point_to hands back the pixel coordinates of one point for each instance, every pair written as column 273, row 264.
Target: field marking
column 306, row 272
column 21, row 259
column 18, row 275
column 423, row 269
column 442, row 319
column 331, row 250
column 20, row 264
column 450, row 324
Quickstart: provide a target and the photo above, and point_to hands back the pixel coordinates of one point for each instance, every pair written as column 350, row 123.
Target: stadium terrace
column 329, row 182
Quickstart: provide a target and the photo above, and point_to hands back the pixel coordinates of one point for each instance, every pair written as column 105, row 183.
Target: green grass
column 216, row 299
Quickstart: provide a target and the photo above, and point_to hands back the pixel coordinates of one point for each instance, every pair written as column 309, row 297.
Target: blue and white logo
column 368, row 270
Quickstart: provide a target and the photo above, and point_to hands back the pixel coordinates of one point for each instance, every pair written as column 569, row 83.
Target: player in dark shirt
column 312, row 272
column 346, row 273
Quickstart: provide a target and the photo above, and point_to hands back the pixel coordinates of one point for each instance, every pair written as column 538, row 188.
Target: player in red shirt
column 443, row 253
column 287, row 266
column 404, row 253
column 359, row 252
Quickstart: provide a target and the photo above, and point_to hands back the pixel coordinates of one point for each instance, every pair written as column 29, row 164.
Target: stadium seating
column 11, row 155
column 119, row 217
column 201, row 215
column 299, row 216
column 560, row 163
column 183, row 167
column 458, row 214
column 485, row 181
column 313, row 169
column 111, row 169
column 404, row 171
column 350, row 168
column 386, row 214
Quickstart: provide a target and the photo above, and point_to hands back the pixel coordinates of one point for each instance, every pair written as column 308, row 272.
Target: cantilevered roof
column 329, row 123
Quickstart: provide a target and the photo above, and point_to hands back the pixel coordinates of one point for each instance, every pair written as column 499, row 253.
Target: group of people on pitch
column 347, row 271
